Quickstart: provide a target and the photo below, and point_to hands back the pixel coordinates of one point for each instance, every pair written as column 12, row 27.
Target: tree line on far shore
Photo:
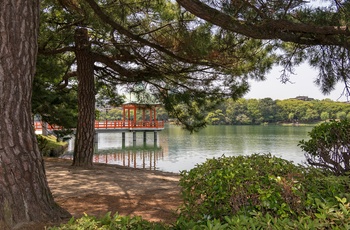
column 260, row 111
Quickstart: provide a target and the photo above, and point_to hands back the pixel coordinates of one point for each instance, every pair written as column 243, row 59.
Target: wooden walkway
column 114, row 126
column 129, row 126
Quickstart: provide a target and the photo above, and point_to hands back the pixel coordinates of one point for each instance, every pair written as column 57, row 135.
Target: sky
column 302, row 86
column 303, row 83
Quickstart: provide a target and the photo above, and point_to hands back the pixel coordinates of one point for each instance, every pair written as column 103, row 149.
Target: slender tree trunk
column 24, row 192
column 84, row 141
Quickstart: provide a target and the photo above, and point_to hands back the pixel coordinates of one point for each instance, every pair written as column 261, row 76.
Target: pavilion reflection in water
column 135, row 158
column 113, row 151
column 146, row 158
column 130, row 152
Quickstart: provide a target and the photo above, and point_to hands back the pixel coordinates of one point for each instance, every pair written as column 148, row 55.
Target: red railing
column 112, row 125
column 128, row 124
column 39, row 126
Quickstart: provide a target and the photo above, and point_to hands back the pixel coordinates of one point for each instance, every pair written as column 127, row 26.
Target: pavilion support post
column 155, row 137
column 123, row 140
column 144, row 137
column 123, row 136
column 134, row 137
column 96, row 142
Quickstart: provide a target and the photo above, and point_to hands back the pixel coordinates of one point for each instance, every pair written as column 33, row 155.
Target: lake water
column 176, row 149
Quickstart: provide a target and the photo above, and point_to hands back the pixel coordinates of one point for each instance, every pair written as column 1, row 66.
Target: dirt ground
column 154, row 195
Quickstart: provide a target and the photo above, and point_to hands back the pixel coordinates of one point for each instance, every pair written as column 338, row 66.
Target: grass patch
column 50, row 147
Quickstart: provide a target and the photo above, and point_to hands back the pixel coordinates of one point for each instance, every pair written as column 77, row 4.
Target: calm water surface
column 177, row 149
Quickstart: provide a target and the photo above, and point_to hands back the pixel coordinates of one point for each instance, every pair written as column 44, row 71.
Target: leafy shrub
column 326, row 217
column 329, row 146
column 325, row 187
column 107, row 222
column 243, row 185
column 50, row 147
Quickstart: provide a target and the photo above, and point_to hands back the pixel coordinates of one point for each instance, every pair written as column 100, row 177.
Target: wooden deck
column 114, row 126
column 110, row 126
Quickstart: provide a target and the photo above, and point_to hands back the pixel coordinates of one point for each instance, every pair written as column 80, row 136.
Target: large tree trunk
column 84, row 138
column 24, row 192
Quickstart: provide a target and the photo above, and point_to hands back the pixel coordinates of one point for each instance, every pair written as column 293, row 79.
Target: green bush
column 243, row 185
column 108, row 222
column 325, row 187
column 329, row 147
column 326, row 217
column 49, row 146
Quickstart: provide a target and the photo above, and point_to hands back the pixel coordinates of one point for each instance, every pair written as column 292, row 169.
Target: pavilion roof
column 141, row 105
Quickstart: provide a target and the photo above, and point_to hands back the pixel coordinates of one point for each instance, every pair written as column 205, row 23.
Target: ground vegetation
column 50, row 146
column 329, row 147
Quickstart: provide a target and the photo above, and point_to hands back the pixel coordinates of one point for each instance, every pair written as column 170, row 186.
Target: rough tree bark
column 84, row 142
column 24, row 192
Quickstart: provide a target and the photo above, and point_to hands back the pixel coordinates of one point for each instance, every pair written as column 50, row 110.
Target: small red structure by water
column 129, row 119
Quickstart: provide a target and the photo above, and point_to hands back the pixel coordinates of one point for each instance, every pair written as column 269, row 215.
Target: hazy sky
column 303, row 82
column 303, row 86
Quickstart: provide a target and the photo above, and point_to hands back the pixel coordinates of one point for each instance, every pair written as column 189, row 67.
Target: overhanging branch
column 270, row 28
